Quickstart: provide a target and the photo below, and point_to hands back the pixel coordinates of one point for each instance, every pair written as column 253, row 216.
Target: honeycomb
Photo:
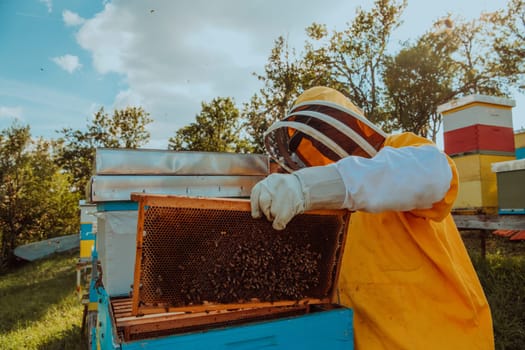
column 195, row 256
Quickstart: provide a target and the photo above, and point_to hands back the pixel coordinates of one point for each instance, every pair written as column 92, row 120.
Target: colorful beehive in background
column 88, row 229
column 477, row 131
column 519, row 142
column 511, row 186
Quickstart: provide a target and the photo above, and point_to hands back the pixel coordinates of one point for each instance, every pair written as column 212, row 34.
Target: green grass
column 502, row 275
column 38, row 305
column 503, row 280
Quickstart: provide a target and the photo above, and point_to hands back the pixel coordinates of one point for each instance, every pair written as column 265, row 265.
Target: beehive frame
column 204, row 254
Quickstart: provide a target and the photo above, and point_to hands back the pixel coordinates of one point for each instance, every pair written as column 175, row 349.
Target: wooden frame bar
column 148, row 200
column 173, row 322
column 209, row 203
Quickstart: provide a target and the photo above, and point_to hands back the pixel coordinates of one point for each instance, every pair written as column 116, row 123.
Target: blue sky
column 61, row 60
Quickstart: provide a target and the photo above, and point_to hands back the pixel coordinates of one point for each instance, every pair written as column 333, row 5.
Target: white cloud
column 174, row 55
column 108, row 36
column 49, row 5
column 68, row 63
column 11, row 112
column 72, row 19
column 127, row 98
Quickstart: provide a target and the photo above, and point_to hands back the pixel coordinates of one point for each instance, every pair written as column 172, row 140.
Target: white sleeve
column 398, row 179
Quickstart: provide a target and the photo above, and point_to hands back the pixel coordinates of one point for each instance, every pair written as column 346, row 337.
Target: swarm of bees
column 232, row 265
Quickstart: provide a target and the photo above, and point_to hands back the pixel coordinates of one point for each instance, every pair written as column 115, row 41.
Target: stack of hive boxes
column 88, row 229
column 477, row 132
column 120, row 172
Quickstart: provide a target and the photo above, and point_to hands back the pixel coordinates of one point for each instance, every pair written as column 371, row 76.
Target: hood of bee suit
column 322, row 127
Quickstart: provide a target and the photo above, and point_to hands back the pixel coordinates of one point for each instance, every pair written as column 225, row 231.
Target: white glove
column 282, row 196
column 279, row 197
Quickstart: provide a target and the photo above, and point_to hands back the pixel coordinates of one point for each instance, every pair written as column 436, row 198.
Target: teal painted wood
column 515, row 211
column 117, row 206
column 104, row 332
column 324, row 330
column 86, row 231
column 520, row 153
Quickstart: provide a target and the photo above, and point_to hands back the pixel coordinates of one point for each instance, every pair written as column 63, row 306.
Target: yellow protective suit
column 409, row 279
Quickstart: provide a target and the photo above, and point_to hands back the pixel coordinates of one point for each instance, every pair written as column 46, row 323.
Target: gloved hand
column 279, row 197
column 282, row 196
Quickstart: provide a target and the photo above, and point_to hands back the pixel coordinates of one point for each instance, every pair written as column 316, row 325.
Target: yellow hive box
column 86, row 246
column 519, row 139
column 477, row 183
column 478, row 195
column 474, row 167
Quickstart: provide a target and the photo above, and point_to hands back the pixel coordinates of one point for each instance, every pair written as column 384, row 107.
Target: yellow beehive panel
column 469, row 195
column 86, row 246
column 475, row 167
column 489, row 193
column 519, row 139
column 479, row 195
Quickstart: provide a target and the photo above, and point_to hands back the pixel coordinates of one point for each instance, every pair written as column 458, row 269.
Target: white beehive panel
column 116, row 246
column 477, row 114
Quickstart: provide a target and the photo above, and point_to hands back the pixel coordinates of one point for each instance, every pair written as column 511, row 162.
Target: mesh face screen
column 193, row 256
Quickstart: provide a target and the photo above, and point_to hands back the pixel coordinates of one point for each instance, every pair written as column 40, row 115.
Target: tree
column 56, row 209
column 417, row 81
column 350, row 61
column 283, row 81
column 13, row 164
column 473, row 56
column 217, row 128
column 454, row 58
column 124, row 129
column 35, row 201
column 489, row 52
column 506, row 27
column 355, row 57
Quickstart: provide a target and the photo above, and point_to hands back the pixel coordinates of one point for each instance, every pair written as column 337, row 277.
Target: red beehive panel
column 479, row 137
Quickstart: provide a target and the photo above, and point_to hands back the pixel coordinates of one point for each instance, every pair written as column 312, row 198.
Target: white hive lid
column 466, row 100
column 510, row 165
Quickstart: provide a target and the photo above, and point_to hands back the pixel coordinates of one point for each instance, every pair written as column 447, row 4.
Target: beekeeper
column 405, row 271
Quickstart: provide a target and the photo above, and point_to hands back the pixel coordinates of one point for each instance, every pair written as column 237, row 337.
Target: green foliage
column 456, row 58
column 39, row 307
column 13, row 167
column 397, row 92
column 473, row 55
column 355, row 56
column 507, row 30
column 502, row 275
column 350, row 61
column 257, row 122
column 35, row 201
column 417, row 81
column 503, row 280
column 217, row 128
column 401, row 91
column 284, row 78
column 124, row 129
